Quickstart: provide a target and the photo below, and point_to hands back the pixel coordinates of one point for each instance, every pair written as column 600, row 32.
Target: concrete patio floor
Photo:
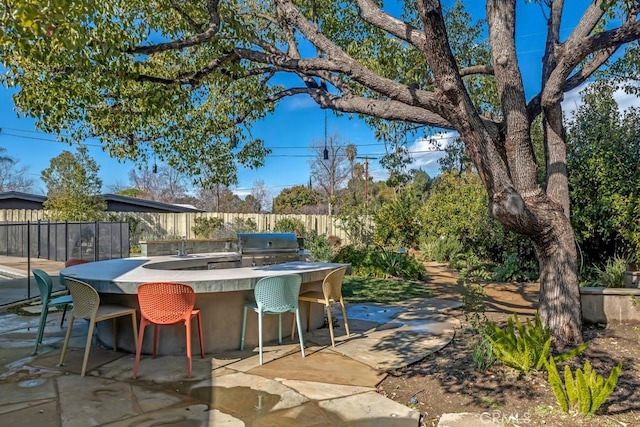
column 332, row 386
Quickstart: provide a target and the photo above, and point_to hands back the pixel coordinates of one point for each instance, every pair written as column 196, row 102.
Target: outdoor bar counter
column 220, row 296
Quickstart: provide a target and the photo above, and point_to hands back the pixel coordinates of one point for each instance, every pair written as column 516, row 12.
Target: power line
column 98, row 145
column 48, row 140
column 270, row 155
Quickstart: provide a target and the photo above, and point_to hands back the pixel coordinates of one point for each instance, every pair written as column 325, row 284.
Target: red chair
column 167, row 304
column 69, row 263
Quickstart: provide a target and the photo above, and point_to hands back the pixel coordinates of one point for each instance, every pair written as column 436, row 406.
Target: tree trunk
column 545, row 223
column 559, row 298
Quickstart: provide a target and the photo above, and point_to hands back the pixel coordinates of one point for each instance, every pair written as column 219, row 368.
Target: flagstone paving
column 331, row 386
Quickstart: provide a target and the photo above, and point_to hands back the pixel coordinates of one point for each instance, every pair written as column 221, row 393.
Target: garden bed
column 448, row 382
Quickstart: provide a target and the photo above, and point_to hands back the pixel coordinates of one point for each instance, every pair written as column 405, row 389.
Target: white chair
column 274, row 295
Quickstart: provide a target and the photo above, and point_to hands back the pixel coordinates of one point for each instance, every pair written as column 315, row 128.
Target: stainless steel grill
column 269, row 248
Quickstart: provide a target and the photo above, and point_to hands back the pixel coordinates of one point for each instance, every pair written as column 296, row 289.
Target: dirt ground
column 448, row 382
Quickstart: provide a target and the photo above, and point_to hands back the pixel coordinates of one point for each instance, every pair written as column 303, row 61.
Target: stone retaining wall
column 610, row 305
column 193, row 246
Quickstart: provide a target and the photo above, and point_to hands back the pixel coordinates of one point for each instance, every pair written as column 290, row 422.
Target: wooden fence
column 163, row 225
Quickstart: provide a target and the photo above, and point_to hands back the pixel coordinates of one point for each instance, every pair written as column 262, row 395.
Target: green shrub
column 207, row 228
column 319, row 246
column 290, row 225
column 482, row 354
column 473, row 298
column 397, row 221
column 514, row 269
column 134, row 224
column 612, row 274
column 524, row 347
column 443, row 249
column 400, row 264
column 240, row 225
column 587, row 390
column 378, row 262
column 357, row 227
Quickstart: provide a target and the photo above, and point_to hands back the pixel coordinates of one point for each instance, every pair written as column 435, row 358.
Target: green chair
column 45, row 285
column 274, row 295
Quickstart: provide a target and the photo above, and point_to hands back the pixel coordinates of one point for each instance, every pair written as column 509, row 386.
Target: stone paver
column 25, row 391
column 193, row 415
column 322, row 391
column 40, row 414
column 370, row 408
column 326, row 366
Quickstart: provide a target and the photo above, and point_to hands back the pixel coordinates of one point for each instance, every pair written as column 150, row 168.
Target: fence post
column 66, row 240
column 38, row 241
column 96, row 239
column 29, row 261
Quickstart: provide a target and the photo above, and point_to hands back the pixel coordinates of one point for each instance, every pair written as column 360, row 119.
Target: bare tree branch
column 575, row 52
column 358, row 73
column 371, row 13
column 389, row 110
column 477, row 69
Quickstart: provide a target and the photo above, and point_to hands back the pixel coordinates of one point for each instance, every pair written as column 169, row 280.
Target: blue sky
column 289, row 132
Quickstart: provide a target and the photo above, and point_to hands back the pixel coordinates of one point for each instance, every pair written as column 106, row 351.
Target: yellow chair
column 331, row 293
column 86, row 305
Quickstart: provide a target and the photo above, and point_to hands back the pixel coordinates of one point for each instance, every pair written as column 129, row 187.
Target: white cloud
column 427, row 151
column 378, row 174
column 241, row 192
column 573, row 100
column 626, row 100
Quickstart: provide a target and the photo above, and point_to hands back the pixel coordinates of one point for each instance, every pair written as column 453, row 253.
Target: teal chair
column 274, row 295
column 45, row 285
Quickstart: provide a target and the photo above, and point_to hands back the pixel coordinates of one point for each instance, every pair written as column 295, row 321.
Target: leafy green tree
column 605, row 176
column 397, row 222
column 250, row 204
column 420, row 184
column 455, row 157
column 295, row 199
column 187, row 80
column 456, row 211
column 73, row 187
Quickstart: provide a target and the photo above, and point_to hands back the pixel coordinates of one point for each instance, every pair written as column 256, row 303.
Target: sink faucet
column 183, row 251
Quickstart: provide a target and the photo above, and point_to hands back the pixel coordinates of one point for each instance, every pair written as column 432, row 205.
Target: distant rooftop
column 115, row 203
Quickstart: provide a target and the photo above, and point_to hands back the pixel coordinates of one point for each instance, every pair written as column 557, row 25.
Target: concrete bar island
column 220, row 295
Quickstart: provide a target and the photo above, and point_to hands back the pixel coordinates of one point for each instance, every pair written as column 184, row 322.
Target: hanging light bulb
column 326, row 152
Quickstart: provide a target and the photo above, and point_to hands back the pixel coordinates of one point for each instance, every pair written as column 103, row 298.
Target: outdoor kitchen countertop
column 122, row 276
